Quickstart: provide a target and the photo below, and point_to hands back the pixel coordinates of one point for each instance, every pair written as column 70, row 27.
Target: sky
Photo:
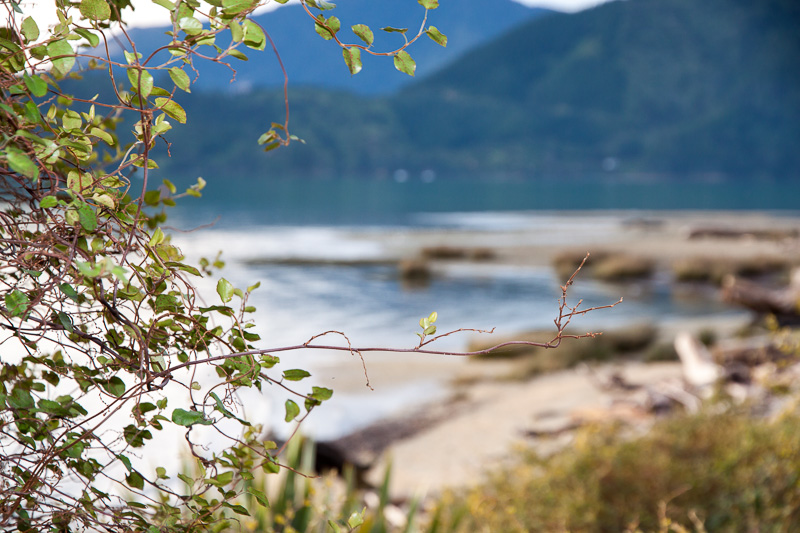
column 149, row 14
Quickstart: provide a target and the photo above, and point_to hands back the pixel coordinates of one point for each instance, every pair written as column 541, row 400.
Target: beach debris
column 782, row 303
column 699, row 369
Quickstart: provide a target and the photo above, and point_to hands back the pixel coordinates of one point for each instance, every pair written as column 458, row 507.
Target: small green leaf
column 92, row 38
column 238, row 55
column 125, row 461
column 404, row 63
column 66, row 321
column 62, row 56
column 102, row 135
column 180, row 79
column 432, row 317
column 260, row 497
column 321, row 393
column 437, row 36
column 30, row 30
column 237, row 33
column 87, row 218
column 16, row 302
column 295, row 374
column 172, row 108
column 141, row 81
column 356, row 519
column 390, row 29
column 429, row 4
column 21, row 163
column 36, row 85
column 254, row 36
column 190, row 25
column 114, row 386
column 95, row 9
column 292, row 410
column 48, row 202
column 327, row 28
column 225, row 290
column 352, row 57
column 364, row 33
column 430, row 330
column 135, row 480
column 69, row 292
column 186, row 418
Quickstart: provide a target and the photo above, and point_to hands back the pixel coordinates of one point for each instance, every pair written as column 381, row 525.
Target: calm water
column 267, row 201
column 348, row 219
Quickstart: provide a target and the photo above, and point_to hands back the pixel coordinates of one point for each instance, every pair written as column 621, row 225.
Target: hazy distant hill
column 311, row 61
column 678, row 87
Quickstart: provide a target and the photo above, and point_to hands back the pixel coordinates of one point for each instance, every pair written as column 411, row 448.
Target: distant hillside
column 311, row 61
column 666, row 87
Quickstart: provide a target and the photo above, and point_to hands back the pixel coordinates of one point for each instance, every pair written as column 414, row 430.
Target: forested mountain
column 677, row 88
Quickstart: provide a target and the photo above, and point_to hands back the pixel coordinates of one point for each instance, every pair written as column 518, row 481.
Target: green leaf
column 327, row 28
column 69, row 292
column 93, row 39
column 20, row 399
column 71, row 121
column 364, row 33
column 437, row 36
column 102, row 135
column 292, row 410
column 172, row 109
column 141, row 81
column 114, row 386
column 321, row 393
column 95, row 9
column 429, row 4
column 125, row 461
column 190, row 25
column 180, row 79
column 17, row 302
column 260, row 497
column 221, row 479
column 225, row 290
column 48, row 202
column 186, row 418
column 295, row 374
column 36, row 85
column 21, row 163
column 236, row 508
column 62, row 56
column 390, row 29
column 66, row 321
column 222, row 409
column 134, row 479
column 356, row 518
column 404, row 63
column 166, row 4
column 87, row 218
column 30, row 30
column 352, row 57
column 238, row 55
column 254, row 36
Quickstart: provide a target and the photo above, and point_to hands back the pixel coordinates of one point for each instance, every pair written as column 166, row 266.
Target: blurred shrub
column 720, row 473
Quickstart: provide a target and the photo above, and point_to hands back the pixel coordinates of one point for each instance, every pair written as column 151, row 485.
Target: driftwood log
column 783, row 303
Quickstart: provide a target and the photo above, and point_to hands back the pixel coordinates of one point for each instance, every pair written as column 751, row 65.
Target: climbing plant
column 105, row 341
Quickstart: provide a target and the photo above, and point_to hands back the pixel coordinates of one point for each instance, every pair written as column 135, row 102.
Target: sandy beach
column 489, row 414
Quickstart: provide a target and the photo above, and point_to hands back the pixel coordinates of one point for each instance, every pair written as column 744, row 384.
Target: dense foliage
column 107, row 344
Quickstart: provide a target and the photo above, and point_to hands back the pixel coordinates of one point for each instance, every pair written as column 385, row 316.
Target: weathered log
column 783, row 303
column 699, row 368
column 757, row 234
